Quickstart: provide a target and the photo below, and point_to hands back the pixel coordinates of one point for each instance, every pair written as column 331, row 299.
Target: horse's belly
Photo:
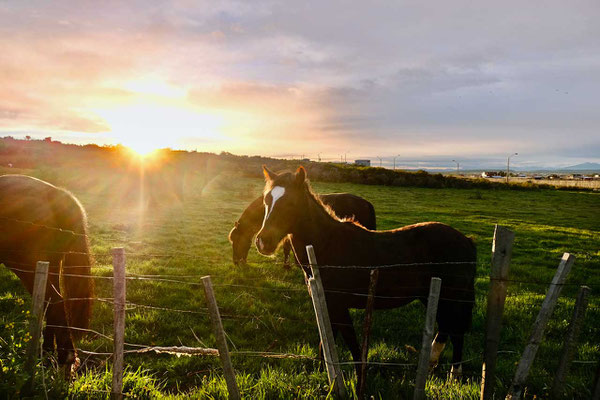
column 381, row 302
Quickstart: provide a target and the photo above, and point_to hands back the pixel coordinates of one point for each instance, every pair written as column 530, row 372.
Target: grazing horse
column 40, row 222
column 409, row 257
column 344, row 205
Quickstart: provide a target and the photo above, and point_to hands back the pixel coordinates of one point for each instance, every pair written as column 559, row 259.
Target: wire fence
column 166, row 278
column 468, row 296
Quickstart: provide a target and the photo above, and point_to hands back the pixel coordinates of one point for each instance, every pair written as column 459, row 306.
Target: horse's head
column 282, row 197
column 240, row 241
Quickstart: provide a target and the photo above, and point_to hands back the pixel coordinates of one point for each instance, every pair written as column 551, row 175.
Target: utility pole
column 457, row 166
column 397, row 155
column 379, row 161
column 345, row 159
column 508, row 166
column 319, row 156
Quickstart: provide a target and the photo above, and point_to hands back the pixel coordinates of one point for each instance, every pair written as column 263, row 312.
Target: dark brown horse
column 40, row 222
column 410, row 257
column 344, row 205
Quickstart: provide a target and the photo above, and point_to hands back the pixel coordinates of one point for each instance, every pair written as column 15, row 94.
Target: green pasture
column 267, row 308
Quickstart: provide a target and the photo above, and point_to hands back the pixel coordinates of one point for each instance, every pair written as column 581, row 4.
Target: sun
column 145, row 128
column 143, row 150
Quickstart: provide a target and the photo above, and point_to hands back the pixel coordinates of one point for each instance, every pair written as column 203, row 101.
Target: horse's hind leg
column 287, row 246
column 458, row 341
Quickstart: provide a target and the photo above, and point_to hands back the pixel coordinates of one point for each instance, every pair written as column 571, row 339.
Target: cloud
column 457, row 78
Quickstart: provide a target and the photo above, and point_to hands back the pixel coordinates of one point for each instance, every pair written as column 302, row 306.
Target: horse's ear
column 237, row 223
column 300, row 175
column 269, row 175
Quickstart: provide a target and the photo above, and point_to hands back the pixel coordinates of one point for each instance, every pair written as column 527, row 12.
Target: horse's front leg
column 57, row 329
column 287, row 247
column 342, row 322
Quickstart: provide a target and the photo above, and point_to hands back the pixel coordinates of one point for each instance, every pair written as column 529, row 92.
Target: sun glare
column 145, row 128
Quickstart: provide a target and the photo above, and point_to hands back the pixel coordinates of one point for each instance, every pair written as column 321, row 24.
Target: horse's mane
column 326, row 208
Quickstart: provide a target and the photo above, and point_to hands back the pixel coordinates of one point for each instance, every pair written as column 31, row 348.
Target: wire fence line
column 336, row 291
column 167, row 277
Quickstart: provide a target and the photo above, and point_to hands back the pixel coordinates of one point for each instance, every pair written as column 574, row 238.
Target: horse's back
column 346, row 205
column 29, row 206
column 409, row 257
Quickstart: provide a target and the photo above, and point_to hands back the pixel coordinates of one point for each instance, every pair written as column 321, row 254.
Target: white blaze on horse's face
column 276, row 193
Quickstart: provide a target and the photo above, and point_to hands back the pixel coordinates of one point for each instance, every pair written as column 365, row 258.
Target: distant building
column 364, row 163
column 491, row 174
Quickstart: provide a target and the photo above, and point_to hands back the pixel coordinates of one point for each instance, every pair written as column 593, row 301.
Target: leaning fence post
column 334, row 372
column 37, row 315
column 501, row 253
column 374, row 276
column 423, row 366
column 570, row 342
column 215, row 318
column 118, row 254
column 539, row 325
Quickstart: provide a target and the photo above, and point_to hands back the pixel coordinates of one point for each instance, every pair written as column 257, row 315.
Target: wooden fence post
column 569, row 345
column 374, row 276
column 423, row 366
column 118, row 255
column 217, row 324
column 501, row 253
column 539, row 325
column 334, row 372
column 36, row 320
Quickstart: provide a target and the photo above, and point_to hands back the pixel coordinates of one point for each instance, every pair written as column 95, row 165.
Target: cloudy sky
column 428, row 81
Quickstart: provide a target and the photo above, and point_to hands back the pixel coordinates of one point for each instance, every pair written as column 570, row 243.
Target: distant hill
column 588, row 166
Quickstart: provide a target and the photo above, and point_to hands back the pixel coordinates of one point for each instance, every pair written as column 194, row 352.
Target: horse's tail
column 372, row 217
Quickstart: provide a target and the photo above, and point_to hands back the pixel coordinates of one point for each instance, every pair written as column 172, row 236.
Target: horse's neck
column 317, row 228
column 253, row 216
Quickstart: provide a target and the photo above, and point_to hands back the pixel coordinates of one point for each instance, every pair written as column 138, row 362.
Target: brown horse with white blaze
column 40, row 222
column 409, row 257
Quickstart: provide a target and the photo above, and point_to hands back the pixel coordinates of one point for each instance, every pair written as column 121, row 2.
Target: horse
column 408, row 257
column 41, row 222
column 344, row 205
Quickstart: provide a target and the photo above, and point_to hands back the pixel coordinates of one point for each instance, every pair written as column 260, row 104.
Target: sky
column 425, row 82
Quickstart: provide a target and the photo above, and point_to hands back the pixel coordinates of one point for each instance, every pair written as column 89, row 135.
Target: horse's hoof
column 456, row 372
column 70, row 369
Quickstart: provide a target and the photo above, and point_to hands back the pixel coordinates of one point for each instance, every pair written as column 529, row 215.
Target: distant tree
column 48, row 139
column 27, row 137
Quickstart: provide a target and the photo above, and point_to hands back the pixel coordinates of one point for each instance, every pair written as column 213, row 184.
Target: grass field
column 267, row 308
